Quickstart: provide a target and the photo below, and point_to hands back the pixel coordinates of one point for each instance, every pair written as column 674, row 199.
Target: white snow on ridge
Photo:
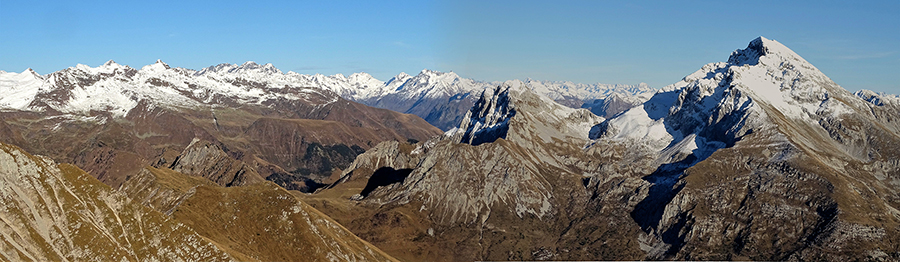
column 563, row 89
column 766, row 75
column 116, row 88
column 878, row 98
column 19, row 89
column 636, row 125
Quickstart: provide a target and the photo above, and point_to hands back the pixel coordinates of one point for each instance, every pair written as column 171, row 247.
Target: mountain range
column 439, row 98
column 761, row 157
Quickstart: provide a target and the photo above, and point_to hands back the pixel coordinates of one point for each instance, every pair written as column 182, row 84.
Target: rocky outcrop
column 488, row 120
column 202, row 158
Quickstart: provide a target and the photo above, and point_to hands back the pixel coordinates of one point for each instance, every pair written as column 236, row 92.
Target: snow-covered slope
column 757, row 87
column 117, row 89
column 19, row 89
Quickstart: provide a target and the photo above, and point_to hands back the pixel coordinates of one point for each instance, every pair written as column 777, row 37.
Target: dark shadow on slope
column 384, row 176
column 290, row 182
column 649, row 211
column 487, row 135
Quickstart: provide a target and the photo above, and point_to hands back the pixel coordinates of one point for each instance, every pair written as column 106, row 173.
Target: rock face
column 761, row 157
column 56, row 212
column 208, row 160
column 488, row 120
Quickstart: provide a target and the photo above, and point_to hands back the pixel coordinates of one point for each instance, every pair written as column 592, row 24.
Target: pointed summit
column 160, row 62
column 362, row 75
column 32, row 73
column 433, row 73
column 398, row 80
column 158, row 66
column 402, row 75
column 488, row 120
column 762, row 47
column 223, row 67
column 111, row 63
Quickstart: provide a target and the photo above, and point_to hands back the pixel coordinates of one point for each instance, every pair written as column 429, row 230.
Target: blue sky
column 657, row 42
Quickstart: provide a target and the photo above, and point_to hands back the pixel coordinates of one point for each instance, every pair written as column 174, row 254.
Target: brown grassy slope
column 254, row 222
column 58, row 212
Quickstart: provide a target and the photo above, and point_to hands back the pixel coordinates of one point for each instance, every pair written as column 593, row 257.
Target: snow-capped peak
column 364, row 81
column 82, row 67
column 402, row 75
column 159, row 66
column 434, row 84
column 160, row 62
column 106, row 68
column 251, row 66
column 360, row 76
column 443, row 75
column 397, row 81
column 430, row 72
column 110, row 63
column 223, row 67
column 723, row 101
column 762, row 47
column 30, row 72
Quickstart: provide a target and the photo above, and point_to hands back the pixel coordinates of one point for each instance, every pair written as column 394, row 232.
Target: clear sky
column 657, row 42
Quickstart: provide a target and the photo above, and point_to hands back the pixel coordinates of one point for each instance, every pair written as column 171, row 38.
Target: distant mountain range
column 440, row 98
